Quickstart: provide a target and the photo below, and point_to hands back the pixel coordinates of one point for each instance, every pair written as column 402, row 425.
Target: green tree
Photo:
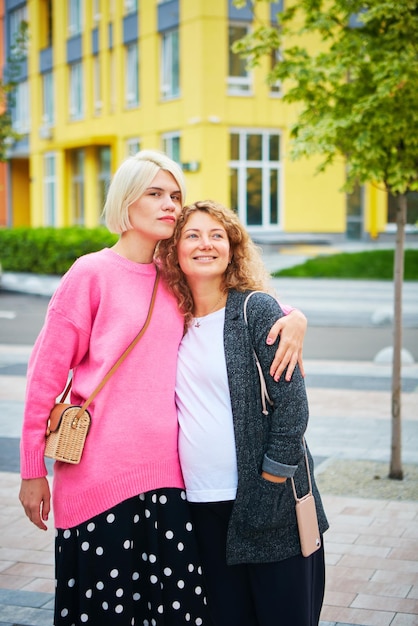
column 358, row 100
column 7, row 90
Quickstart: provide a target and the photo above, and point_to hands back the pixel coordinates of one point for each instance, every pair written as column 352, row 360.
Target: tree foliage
column 358, row 89
column 7, row 90
column 357, row 99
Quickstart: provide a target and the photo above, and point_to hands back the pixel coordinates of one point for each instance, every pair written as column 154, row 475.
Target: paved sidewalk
column 371, row 547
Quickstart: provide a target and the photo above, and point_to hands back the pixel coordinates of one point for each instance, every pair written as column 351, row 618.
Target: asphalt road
column 22, row 315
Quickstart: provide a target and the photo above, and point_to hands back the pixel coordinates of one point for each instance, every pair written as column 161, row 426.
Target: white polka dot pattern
column 134, row 565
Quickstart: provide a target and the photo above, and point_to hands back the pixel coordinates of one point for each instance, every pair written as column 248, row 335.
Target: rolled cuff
column 278, row 469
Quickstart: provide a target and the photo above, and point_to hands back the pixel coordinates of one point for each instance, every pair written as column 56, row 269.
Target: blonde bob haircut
column 246, row 270
column 130, row 182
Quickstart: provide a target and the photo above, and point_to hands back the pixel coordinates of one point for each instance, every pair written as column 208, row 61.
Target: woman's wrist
column 273, row 478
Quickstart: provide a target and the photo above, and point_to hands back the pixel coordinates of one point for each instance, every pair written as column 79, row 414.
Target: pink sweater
column 131, row 447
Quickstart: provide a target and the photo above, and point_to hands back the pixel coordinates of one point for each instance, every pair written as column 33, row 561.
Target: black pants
column 284, row 593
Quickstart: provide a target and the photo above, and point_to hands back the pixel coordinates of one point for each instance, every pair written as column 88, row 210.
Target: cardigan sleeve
column 289, row 414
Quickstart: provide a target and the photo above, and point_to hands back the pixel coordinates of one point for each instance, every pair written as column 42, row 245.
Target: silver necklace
column 197, row 322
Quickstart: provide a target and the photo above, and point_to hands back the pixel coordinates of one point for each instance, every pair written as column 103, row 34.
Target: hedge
column 48, row 250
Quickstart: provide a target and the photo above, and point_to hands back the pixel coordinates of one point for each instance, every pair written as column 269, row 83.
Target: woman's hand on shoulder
column 292, row 329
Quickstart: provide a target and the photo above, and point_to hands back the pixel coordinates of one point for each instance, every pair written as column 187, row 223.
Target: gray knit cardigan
column 263, row 525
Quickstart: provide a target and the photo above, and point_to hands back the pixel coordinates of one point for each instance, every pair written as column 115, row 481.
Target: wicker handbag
column 68, row 424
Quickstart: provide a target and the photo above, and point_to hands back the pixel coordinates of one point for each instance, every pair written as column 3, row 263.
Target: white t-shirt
column 206, row 436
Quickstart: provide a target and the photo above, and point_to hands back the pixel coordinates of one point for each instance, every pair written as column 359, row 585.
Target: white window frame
column 171, row 145
column 76, row 91
column 16, row 17
column 276, row 87
column 75, row 17
column 130, row 6
column 132, row 76
column 170, row 64
column 133, row 145
column 112, row 73
column 50, row 182
column 238, row 84
column 77, row 187
column 97, row 85
column 104, row 175
column 21, row 108
column 96, row 12
column 243, row 164
column 48, row 99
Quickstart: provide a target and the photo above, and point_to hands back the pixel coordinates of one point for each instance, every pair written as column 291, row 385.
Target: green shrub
column 368, row 265
column 48, row 250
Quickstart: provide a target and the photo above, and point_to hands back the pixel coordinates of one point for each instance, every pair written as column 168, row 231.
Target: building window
column 171, row 146
column 75, row 22
column 131, row 6
column 48, row 101
column 77, row 187
column 96, row 14
column 112, row 79
column 132, row 76
column 50, row 189
column 170, row 81
column 76, row 91
column 16, row 18
column 133, row 146
column 275, row 58
column 411, row 212
column 104, row 176
column 45, row 23
column 21, row 108
column 97, row 85
column 239, row 79
column 255, row 177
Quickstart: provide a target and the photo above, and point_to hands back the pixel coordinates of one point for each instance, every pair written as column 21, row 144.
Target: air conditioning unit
column 45, row 132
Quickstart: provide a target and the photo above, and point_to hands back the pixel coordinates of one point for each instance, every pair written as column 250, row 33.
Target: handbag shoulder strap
column 309, row 476
column 124, row 355
column 263, row 387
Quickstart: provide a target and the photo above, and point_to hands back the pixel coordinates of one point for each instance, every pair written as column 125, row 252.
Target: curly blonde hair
column 246, row 271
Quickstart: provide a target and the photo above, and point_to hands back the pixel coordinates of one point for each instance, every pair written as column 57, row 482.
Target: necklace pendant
column 197, row 324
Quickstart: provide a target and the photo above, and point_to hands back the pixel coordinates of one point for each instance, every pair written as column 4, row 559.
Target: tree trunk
column 395, row 459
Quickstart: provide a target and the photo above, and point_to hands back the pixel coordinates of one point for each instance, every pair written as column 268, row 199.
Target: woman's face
column 203, row 248
column 154, row 214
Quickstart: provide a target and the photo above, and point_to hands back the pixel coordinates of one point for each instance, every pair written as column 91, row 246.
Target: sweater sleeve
column 59, row 347
column 286, row 308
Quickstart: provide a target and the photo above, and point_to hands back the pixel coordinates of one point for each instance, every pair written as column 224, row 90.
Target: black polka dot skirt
column 136, row 564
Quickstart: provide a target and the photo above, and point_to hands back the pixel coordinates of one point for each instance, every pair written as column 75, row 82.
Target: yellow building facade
column 105, row 78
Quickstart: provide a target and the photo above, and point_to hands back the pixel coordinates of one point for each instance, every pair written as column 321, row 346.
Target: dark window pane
column 234, row 189
column 274, row 197
column 254, row 210
column 254, row 147
column 411, row 211
column 234, row 147
column 274, row 148
column 237, row 65
column 354, row 201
